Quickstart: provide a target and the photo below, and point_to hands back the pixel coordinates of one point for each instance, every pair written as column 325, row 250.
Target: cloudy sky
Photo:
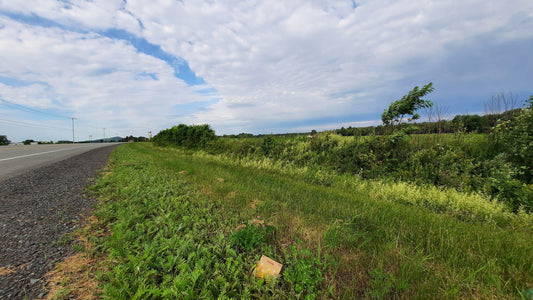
column 250, row 66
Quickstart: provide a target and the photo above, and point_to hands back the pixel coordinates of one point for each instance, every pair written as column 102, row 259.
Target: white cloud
column 89, row 77
column 81, row 14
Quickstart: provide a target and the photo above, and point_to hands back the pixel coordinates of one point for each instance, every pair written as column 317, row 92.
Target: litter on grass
column 267, row 267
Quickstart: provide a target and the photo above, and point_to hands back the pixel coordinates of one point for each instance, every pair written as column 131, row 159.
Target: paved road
column 15, row 160
column 39, row 208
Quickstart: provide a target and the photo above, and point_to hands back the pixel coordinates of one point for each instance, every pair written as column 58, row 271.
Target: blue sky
column 250, row 66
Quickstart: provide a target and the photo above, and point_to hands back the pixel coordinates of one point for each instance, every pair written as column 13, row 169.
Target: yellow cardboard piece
column 267, row 267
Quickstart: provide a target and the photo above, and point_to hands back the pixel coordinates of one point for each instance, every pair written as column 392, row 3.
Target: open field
column 172, row 225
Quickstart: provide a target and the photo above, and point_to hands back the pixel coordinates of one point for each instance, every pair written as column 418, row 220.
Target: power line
column 32, row 110
column 26, row 124
column 29, row 109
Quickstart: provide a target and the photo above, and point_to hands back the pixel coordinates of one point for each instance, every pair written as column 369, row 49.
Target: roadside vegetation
column 497, row 165
column 182, row 224
column 189, row 215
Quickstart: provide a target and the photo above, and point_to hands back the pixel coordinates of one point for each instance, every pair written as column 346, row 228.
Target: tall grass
column 173, row 213
column 465, row 162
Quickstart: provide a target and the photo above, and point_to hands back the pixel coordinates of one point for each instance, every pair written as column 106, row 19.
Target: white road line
column 10, row 158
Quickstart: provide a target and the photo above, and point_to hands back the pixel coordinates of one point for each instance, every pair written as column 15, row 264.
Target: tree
column 4, row 140
column 407, row 106
column 518, row 141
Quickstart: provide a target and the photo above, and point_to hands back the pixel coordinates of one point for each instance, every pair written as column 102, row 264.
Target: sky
column 118, row 68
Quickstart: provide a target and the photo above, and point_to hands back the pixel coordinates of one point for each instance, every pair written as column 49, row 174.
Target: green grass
column 337, row 236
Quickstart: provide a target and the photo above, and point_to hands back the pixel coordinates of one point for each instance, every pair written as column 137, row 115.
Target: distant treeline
column 132, row 138
column 460, row 123
column 250, row 135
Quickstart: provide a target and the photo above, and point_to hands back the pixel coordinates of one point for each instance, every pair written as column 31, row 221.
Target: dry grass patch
column 255, row 203
column 6, row 270
column 106, row 172
column 74, row 278
column 311, row 235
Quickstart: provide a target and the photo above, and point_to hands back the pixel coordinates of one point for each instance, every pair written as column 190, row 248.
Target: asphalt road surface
column 42, row 201
column 18, row 159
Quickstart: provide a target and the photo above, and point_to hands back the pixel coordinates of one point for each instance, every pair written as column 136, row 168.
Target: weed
column 251, row 236
column 382, row 283
column 304, row 272
column 78, row 248
column 64, row 240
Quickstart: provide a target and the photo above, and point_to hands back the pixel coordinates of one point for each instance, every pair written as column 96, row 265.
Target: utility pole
column 104, row 136
column 73, row 130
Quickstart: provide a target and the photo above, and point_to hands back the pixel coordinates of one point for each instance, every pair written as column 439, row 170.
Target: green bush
column 518, row 140
column 195, row 136
column 268, row 145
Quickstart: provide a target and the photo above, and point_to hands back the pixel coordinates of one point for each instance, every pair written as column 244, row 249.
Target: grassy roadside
column 175, row 222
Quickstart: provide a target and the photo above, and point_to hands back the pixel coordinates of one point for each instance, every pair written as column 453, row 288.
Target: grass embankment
column 175, row 224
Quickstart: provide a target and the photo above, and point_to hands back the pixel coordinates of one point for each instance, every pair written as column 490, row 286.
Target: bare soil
column 38, row 212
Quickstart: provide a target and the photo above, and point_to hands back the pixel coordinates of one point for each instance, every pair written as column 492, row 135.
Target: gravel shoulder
column 37, row 210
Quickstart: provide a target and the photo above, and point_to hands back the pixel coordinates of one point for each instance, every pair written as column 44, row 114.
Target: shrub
column 195, row 136
column 268, row 144
column 518, row 140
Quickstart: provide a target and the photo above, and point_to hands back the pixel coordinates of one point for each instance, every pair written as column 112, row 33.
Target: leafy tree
column 518, row 141
column 407, row 106
column 4, row 140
